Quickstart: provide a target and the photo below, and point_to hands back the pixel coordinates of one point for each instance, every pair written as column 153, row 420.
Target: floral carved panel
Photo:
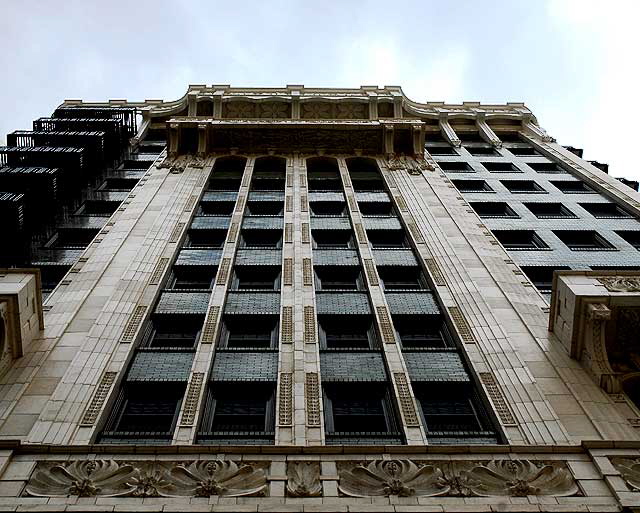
column 109, row 478
column 406, row 478
column 629, row 469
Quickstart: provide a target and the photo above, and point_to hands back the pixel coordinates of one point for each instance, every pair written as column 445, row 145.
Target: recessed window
column 216, row 208
column 206, row 238
column 192, row 277
column 482, row 151
column 509, row 136
column 225, row 183
column 501, row 167
column 522, row 186
column 605, row 210
column 519, row 239
column 573, row 187
column 367, row 183
column 583, row 240
column 324, row 181
column 542, row 276
column 267, row 182
column 119, row 184
column 328, row 208
column 472, row 186
column 264, row 208
column 442, row 150
column 70, row 238
column 352, row 409
column 450, row 409
column 239, row 409
column 145, row 411
column 261, row 238
column 373, row 208
column 173, row 332
column 455, row 167
column 434, row 136
column 387, row 238
column 347, row 332
column 549, row 210
column 469, row 136
column 98, row 208
column 487, row 209
column 338, row 278
column 526, row 151
column 332, row 239
column 256, row 278
column 402, row 278
column 546, row 167
column 249, row 332
column 631, row 236
column 421, row 332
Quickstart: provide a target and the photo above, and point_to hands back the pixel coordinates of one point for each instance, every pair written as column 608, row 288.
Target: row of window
column 497, row 209
column 575, row 240
column 501, row 167
column 524, row 186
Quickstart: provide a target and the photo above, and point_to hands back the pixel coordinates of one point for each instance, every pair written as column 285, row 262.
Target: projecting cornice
column 299, row 102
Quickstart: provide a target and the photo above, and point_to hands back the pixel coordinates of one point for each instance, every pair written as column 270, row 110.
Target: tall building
column 301, row 299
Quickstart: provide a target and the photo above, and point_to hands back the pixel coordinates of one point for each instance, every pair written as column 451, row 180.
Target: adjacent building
column 301, row 299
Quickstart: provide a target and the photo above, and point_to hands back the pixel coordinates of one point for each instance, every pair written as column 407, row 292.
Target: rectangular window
column 387, row 238
column 347, row 332
column 324, row 181
column 338, row 278
column 449, row 409
column 472, row 186
column 469, row 136
column 371, row 208
column 549, row 210
column 542, row 277
column 192, row 277
column 526, row 151
column 264, row 208
column 230, row 183
column 442, row 150
column 267, row 183
column 147, row 410
column 631, row 236
column 352, row 409
column 422, row 332
column 583, row 240
column 205, row 238
column 332, row 239
column 70, row 238
column 501, row 167
column 98, row 208
column 402, row 278
column 173, row 331
column 573, row 187
column 256, row 278
column 522, row 186
column 328, row 208
column 519, row 239
column 605, row 210
column 261, row 238
column 216, row 208
column 486, row 209
column 482, row 151
column 250, row 332
column 455, row 167
column 546, row 167
column 239, row 409
column 118, row 184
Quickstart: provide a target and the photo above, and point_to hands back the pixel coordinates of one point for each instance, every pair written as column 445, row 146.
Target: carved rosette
column 405, row 478
column 303, row 479
column 629, row 471
column 108, row 478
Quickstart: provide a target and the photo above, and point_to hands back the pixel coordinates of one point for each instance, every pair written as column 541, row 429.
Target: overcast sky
column 573, row 62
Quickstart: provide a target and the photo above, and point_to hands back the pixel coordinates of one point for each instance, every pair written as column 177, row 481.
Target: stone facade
column 556, row 431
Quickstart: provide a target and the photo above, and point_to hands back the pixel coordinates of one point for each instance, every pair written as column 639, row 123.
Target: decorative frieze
column 158, row 271
column 629, row 469
column 223, row 271
column 312, row 398
column 110, row 478
column 406, row 478
column 285, row 399
column 102, row 392
column 192, row 398
column 175, row 233
column 497, row 398
column 288, row 272
column 133, row 324
column 407, row 406
column 287, row 325
column 210, row 325
column 435, row 272
column 621, row 283
column 461, row 324
column 309, row 324
column 303, row 479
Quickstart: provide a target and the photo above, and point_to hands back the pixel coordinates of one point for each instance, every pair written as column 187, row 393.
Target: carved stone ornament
column 414, row 165
column 629, row 471
column 303, row 479
column 405, row 478
column 175, row 165
column 621, row 284
column 108, row 478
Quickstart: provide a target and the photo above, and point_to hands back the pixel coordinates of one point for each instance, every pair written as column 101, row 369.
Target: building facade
column 304, row 299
